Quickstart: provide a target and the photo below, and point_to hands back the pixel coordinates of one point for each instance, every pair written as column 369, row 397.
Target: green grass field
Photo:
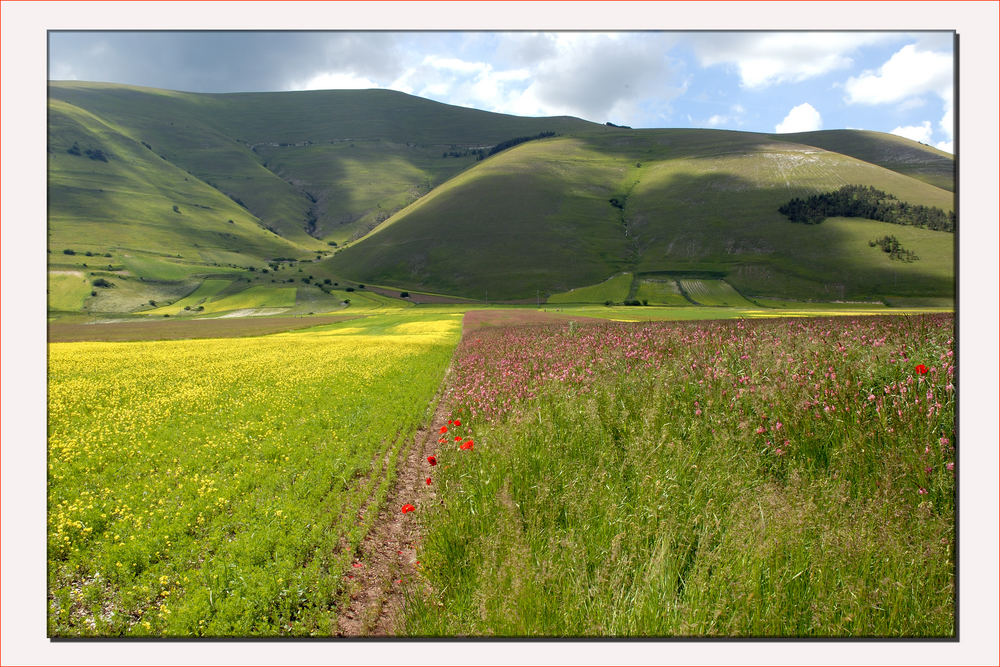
column 614, row 289
column 213, row 487
column 258, row 296
column 714, row 293
column 728, row 479
column 660, row 292
column 205, row 291
column 67, row 290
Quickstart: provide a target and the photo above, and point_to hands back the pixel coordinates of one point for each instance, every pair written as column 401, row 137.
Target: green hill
column 311, row 165
column 158, row 191
column 566, row 212
column 886, row 150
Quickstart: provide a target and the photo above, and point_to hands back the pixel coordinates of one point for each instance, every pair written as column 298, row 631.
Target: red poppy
column 442, row 440
column 467, row 445
column 444, row 429
column 458, row 422
column 428, row 480
column 451, row 421
column 457, row 438
column 921, row 369
column 432, row 460
column 408, row 508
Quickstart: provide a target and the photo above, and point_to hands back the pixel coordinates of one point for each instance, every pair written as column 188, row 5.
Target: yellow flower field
column 216, row 487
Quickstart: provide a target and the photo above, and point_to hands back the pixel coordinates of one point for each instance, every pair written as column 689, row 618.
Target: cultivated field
column 660, row 292
column 221, row 487
column 614, row 289
column 741, row 477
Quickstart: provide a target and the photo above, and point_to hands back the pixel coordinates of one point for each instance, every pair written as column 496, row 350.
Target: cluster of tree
column 510, row 143
column 895, row 250
column 92, row 153
column 629, row 302
column 864, row 201
column 464, row 152
column 624, row 127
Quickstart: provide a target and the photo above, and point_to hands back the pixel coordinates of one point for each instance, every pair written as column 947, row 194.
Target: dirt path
column 385, row 566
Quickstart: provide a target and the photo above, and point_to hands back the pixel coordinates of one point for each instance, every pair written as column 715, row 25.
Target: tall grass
column 765, row 478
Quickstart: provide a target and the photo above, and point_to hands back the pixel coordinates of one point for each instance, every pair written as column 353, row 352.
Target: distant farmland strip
column 60, row 332
column 714, row 293
column 661, row 291
column 613, row 289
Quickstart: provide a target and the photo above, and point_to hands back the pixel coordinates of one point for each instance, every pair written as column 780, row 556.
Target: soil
column 478, row 319
column 385, row 568
column 166, row 329
column 419, row 298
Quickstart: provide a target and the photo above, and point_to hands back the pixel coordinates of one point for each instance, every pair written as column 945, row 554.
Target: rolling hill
column 158, row 191
column 564, row 212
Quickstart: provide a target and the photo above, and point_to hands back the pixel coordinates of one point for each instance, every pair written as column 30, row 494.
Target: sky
column 898, row 82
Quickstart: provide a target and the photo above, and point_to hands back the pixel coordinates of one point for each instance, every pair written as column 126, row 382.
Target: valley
column 356, row 363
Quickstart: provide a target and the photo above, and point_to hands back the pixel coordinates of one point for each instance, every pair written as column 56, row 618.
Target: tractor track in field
column 385, row 571
column 385, row 568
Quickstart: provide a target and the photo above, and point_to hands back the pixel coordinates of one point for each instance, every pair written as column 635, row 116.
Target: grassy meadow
column 220, row 487
column 750, row 478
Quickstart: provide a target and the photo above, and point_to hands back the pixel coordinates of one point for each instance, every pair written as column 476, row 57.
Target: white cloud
column 947, row 122
column 948, row 146
column 921, row 133
column 62, row 72
column 455, row 64
column 908, row 73
column 765, row 59
column 618, row 77
column 735, row 118
column 803, row 118
column 334, row 81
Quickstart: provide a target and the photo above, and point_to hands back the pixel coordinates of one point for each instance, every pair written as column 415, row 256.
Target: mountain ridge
column 232, row 181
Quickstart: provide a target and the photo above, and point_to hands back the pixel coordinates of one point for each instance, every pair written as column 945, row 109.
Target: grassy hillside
column 166, row 189
column 886, row 150
column 323, row 164
column 567, row 212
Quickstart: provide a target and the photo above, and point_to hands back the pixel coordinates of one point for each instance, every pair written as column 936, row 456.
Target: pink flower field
column 784, row 477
